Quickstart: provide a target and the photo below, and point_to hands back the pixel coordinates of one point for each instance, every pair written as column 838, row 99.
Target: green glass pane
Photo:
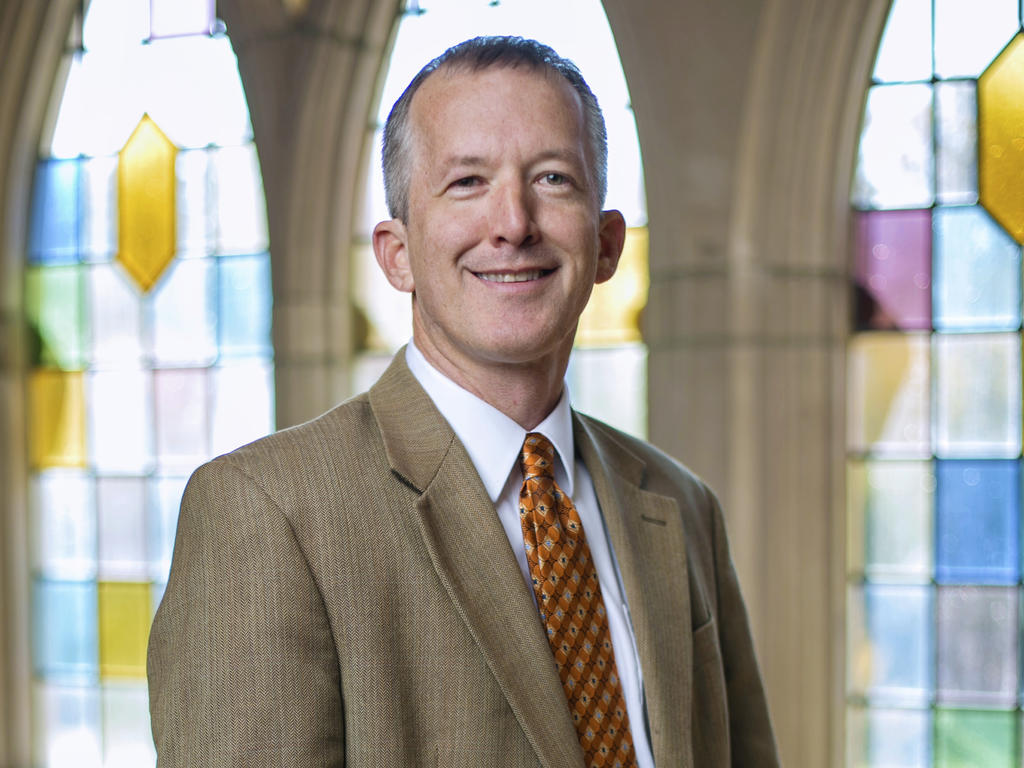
column 890, row 508
column 975, row 739
column 53, row 298
column 977, row 395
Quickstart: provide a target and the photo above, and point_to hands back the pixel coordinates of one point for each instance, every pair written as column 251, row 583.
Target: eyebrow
column 566, row 155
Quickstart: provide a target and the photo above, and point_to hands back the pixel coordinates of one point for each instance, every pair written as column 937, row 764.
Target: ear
column 390, row 248
column 611, row 239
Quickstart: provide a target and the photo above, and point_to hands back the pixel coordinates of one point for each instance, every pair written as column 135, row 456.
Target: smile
column 512, row 277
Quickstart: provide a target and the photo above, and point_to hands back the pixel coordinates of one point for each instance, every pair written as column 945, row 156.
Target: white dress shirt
column 494, row 442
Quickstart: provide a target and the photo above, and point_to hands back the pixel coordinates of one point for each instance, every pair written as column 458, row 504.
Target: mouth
column 514, row 277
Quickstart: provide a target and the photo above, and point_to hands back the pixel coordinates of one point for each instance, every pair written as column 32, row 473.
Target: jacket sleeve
column 242, row 665
column 752, row 742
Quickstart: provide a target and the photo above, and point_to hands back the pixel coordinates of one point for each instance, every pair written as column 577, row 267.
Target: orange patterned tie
column 572, row 610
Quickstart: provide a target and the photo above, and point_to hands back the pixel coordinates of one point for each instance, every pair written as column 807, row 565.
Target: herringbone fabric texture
column 572, row 610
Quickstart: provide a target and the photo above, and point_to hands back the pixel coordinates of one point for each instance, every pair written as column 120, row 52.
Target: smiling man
column 455, row 568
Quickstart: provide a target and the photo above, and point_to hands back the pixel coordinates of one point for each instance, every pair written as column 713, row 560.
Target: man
column 454, row 568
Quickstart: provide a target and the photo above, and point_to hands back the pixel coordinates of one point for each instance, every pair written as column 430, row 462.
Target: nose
column 512, row 216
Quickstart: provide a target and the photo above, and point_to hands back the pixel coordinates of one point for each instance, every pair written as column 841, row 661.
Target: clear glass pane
column 969, row 35
column 977, row 395
column 63, row 524
column 967, row 738
column 196, row 219
column 977, row 512
column 243, row 404
column 889, row 738
column 891, row 650
column 99, row 208
column 182, row 419
column 890, row 508
column 977, row 645
column 124, row 618
column 184, row 315
column 126, row 726
column 120, row 421
column 165, row 493
column 889, row 393
column 892, row 270
column 238, row 194
column 67, row 726
column 180, row 17
column 64, row 629
column 977, row 272
column 56, row 320
column 245, row 306
column 956, row 112
column 620, row 399
column 905, row 52
column 54, row 233
column 121, row 504
column 115, row 308
column 895, row 163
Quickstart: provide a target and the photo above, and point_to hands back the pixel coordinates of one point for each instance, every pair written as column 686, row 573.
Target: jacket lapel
column 472, row 557
column 646, row 534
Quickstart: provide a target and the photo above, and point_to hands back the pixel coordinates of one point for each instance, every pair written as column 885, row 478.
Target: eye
column 466, row 182
column 555, row 179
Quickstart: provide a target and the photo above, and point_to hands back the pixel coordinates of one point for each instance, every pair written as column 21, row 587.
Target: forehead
column 467, row 102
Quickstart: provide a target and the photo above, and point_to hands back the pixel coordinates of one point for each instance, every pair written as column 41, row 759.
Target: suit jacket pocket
column 710, row 708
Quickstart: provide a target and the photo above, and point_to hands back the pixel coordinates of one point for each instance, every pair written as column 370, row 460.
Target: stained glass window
column 148, row 301
column 934, row 413
column 609, row 336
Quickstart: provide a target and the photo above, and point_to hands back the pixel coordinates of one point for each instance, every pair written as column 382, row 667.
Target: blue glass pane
column 976, row 273
column 65, row 633
column 245, row 306
column 894, row 657
column 977, row 521
column 54, row 235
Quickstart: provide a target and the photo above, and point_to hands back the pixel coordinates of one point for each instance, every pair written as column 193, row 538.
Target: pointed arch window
column 609, row 336
column 148, row 302
column 934, row 422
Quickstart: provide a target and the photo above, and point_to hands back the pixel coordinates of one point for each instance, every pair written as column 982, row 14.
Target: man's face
column 504, row 239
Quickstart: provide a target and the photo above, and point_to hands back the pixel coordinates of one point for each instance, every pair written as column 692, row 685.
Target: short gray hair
column 475, row 55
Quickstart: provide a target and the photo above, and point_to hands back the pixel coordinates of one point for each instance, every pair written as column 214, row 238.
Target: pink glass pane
column 893, row 270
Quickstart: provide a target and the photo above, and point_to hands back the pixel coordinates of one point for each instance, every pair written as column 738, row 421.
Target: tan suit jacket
column 342, row 593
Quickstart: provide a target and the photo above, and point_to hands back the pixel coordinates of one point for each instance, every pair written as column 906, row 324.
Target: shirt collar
column 493, row 440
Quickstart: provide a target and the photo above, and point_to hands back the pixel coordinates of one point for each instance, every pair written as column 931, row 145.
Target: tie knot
column 538, row 457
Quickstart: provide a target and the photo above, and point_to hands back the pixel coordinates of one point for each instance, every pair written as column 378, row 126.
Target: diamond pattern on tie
column 572, row 610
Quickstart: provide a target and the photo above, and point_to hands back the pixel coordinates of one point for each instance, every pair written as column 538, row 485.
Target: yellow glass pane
column 56, row 419
column 613, row 314
column 146, row 203
column 1001, row 138
column 888, row 393
column 124, row 617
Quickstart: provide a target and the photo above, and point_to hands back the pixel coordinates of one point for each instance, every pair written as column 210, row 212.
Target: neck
column 525, row 392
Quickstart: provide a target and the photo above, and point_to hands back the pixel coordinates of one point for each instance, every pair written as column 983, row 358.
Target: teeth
column 510, row 277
